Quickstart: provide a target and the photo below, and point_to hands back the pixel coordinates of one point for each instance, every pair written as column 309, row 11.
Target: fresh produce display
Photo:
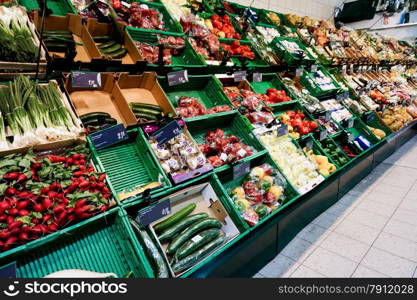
column 19, row 44
column 221, row 148
column 172, row 46
column 109, row 47
column 298, row 169
column 321, row 80
column 298, row 125
column 261, row 192
column 396, row 117
column 34, row 114
column 58, row 41
column 139, row 15
column 235, row 48
column 189, row 107
column 380, row 134
column 222, row 27
column 335, row 153
column 41, row 195
column 269, row 33
column 93, row 9
column 339, row 113
column 324, row 166
column 330, row 126
column 180, row 156
column 187, row 238
column 145, row 111
column 276, row 96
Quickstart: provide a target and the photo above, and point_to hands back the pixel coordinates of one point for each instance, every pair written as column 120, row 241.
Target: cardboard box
column 207, row 201
column 85, row 47
column 99, row 29
column 8, row 66
column 53, row 144
column 144, row 89
column 108, row 98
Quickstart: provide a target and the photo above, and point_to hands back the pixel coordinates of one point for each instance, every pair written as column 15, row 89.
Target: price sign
column 314, row 68
column 241, row 169
column 359, row 91
column 350, row 137
column 328, row 116
column 8, row 271
column 169, row 131
column 309, row 144
column 239, row 76
column 351, row 67
column 346, row 95
column 344, row 69
column 154, row 212
column 109, row 136
column 299, row 72
column 370, row 117
column 323, row 135
column 257, row 77
column 339, row 97
column 282, row 130
column 84, row 79
column 350, row 123
column 175, row 78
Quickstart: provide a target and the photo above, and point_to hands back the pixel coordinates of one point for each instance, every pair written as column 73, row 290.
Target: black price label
column 299, row 72
column 241, row 169
column 257, row 77
column 175, row 78
column 154, row 212
column 370, row 117
column 327, row 116
column 169, row 131
column 9, row 271
column 239, row 76
column 282, row 130
column 109, row 136
column 314, row 68
column 350, row 123
column 323, row 135
column 84, row 79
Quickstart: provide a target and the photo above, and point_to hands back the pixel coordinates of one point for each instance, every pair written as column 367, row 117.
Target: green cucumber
column 159, row 264
column 196, row 242
column 145, row 105
column 192, row 259
column 107, row 45
column 145, row 111
column 101, row 38
column 190, row 231
column 171, row 232
column 146, row 116
column 94, row 116
column 175, row 218
column 111, row 49
column 118, row 53
column 57, row 32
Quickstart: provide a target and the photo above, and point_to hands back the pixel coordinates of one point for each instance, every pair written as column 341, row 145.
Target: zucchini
column 145, row 105
column 146, row 116
column 145, row 111
column 118, row 53
column 94, row 115
column 100, row 122
column 175, row 218
column 192, row 259
column 111, row 49
column 196, row 242
column 171, row 232
column 158, row 262
column 191, row 231
column 107, row 45
column 101, row 38
column 111, row 121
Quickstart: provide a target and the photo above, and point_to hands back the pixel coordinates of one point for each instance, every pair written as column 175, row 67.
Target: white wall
column 320, row 9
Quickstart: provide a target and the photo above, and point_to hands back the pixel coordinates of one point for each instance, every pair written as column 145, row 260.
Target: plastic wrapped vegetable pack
column 299, row 170
column 261, row 192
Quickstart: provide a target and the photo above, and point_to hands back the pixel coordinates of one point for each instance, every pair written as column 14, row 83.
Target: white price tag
column 197, row 238
column 223, row 156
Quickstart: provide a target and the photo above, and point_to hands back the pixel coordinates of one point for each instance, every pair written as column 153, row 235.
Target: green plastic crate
column 226, row 182
column 307, row 80
column 172, row 26
column 373, row 120
column 290, row 58
column 129, row 164
column 58, row 7
column 270, row 80
column 187, row 59
column 104, row 246
column 257, row 62
column 206, row 88
column 333, row 142
column 360, row 128
column 230, row 124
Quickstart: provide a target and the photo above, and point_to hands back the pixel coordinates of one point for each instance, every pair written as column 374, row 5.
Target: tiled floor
column 370, row 232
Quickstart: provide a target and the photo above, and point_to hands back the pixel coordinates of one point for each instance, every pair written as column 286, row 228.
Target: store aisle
column 370, row 232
